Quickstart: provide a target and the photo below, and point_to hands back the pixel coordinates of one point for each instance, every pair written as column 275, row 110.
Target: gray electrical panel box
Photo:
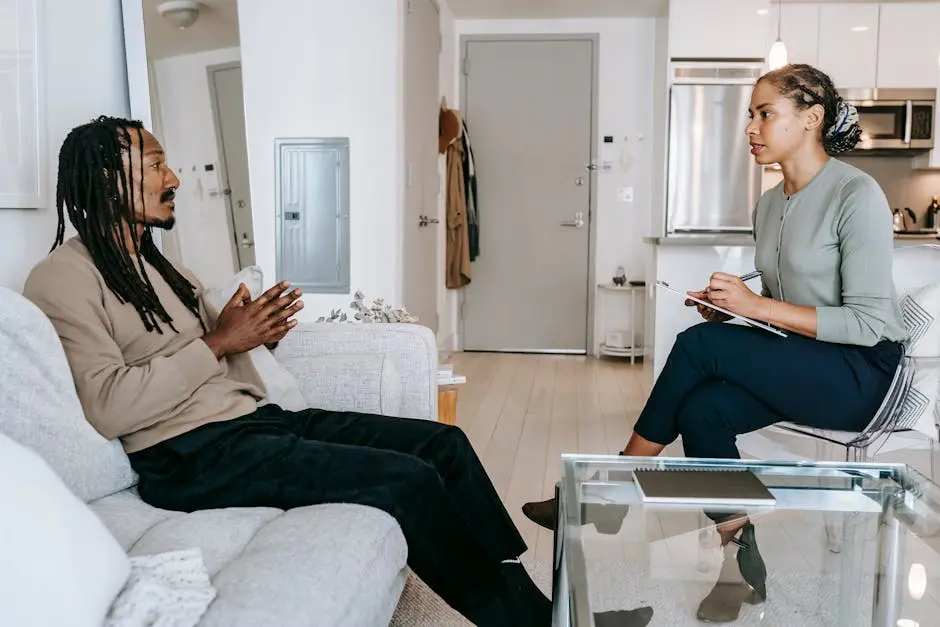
column 312, row 213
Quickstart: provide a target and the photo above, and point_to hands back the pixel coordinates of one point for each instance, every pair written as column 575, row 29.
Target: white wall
column 187, row 132
column 318, row 68
column 627, row 64
column 83, row 49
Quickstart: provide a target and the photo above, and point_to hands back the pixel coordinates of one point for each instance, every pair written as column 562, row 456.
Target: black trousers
column 425, row 474
column 722, row 380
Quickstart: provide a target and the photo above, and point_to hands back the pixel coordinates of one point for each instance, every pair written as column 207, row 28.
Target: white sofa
column 329, row 565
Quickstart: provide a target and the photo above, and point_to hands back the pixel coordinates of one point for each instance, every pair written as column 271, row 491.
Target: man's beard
column 166, row 224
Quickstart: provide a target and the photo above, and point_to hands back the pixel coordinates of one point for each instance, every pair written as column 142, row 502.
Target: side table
column 631, row 327
column 447, row 385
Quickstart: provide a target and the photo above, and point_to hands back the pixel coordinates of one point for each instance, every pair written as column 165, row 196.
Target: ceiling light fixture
column 778, row 52
column 180, row 14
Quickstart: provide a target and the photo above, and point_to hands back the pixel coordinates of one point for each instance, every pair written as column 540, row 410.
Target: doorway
column 228, row 112
column 530, row 106
column 421, row 104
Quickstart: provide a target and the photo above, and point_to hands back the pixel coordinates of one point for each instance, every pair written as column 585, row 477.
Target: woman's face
column 777, row 128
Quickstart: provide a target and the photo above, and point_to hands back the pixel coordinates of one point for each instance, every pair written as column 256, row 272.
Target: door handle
column 424, row 221
column 908, row 121
column 578, row 221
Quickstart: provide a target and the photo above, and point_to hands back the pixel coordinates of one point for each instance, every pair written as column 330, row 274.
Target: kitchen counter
column 916, row 237
column 746, row 239
column 702, row 239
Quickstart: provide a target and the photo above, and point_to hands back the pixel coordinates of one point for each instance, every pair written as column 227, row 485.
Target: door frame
column 220, row 151
column 595, row 40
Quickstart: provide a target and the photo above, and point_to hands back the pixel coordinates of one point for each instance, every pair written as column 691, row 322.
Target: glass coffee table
column 844, row 544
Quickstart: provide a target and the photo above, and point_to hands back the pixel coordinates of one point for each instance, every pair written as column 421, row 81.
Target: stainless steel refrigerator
column 713, row 183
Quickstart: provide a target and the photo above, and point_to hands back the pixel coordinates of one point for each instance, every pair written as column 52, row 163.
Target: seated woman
column 824, row 246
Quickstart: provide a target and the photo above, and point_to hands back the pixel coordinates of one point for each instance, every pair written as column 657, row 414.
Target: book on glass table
column 715, row 487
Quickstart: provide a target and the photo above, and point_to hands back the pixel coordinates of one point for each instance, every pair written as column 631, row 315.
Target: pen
column 744, row 277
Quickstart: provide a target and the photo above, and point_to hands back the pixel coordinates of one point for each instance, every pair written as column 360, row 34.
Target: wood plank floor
column 521, row 412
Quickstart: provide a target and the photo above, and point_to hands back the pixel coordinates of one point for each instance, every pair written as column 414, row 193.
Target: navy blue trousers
column 722, row 380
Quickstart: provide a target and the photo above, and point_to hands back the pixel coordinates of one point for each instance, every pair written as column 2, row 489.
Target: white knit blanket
column 164, row 590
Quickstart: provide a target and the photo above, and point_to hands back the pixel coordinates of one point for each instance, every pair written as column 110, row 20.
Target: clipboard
column 749, row 321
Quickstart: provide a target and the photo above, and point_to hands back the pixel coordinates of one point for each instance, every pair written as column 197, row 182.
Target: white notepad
column 750, row 321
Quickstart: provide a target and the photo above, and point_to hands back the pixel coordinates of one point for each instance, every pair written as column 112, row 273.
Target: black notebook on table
column 716, row 487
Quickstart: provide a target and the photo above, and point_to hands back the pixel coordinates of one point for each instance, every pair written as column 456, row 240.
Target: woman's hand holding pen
column 729, row 292
column 707, row 313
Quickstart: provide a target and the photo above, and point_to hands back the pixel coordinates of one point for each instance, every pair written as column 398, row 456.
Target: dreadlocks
column 95, row 190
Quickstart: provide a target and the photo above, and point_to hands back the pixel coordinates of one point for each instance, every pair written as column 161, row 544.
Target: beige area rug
column 796, row 598
column 421, row 607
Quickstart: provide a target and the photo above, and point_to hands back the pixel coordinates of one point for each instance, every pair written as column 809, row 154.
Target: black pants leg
column 722, row 380
column 423, row 473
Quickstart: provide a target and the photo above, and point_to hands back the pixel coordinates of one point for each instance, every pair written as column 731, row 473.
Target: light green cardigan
column 831, row 246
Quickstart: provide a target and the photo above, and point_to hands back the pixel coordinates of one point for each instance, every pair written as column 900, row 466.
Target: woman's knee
column 701, row 413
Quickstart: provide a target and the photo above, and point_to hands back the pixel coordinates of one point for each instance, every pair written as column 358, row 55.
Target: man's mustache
column 167, row 196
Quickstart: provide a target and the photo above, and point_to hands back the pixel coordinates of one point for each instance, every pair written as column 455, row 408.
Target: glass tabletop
column 841, row 544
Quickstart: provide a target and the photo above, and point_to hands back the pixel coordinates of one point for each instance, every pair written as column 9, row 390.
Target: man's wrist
column 215, row 344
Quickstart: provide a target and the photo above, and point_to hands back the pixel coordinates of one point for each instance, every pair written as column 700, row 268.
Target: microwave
column 894, row 120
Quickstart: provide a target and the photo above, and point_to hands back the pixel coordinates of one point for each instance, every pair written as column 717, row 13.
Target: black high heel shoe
column 752, row 566
column 743, row 580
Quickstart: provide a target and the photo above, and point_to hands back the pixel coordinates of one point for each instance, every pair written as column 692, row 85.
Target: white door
column 228, row 108
column 421, row 106
column 529, row 109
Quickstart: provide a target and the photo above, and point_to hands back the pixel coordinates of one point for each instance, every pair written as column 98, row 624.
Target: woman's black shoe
column 607, row 519
column 750, row 561
column 640, row 617
column 742, row 580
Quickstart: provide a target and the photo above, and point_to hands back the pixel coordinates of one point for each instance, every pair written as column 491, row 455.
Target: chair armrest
column 410, row 348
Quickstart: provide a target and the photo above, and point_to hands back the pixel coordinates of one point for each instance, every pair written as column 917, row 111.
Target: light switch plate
column 625, row 194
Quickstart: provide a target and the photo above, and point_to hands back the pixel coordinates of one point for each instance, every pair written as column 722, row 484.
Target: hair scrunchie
column 846, row 119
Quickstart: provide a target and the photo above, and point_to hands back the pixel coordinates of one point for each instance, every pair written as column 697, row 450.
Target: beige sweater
column 138, row 386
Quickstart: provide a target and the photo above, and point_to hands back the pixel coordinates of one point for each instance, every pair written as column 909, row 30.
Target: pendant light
column 778, row 52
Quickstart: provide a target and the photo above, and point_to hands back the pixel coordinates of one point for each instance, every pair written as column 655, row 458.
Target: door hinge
column 408, row 5
column 466, row 66
column 440, row 42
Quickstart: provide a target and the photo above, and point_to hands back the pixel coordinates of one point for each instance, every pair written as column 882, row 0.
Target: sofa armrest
column 409, row 351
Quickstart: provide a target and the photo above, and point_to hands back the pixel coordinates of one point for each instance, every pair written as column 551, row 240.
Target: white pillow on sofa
column 920, row 309
column 282, row 388
column 58, row 563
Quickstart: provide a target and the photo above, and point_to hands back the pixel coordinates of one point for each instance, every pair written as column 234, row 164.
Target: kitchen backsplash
column 903, row 186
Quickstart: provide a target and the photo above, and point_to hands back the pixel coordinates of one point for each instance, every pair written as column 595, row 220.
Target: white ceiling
column 538, row 9
column 217, row 27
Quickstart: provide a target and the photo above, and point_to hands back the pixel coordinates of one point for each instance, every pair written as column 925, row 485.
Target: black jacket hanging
column 470, row 192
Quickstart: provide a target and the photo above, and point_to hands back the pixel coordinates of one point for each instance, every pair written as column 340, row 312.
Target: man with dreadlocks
column 155, row 368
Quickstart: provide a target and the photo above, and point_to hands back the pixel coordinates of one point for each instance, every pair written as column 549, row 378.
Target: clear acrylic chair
column 913, row 267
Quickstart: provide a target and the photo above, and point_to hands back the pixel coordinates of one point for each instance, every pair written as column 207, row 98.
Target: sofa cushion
column 39, row 406
column 335, row 564
column 369, row 384
column 58, row 563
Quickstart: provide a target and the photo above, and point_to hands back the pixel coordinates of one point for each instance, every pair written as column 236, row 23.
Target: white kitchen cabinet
column 848, row 43
column 799, row 29
column 909, row 44
column 718, row 29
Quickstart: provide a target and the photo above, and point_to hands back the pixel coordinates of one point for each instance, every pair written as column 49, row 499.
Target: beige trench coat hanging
column 457, row 270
